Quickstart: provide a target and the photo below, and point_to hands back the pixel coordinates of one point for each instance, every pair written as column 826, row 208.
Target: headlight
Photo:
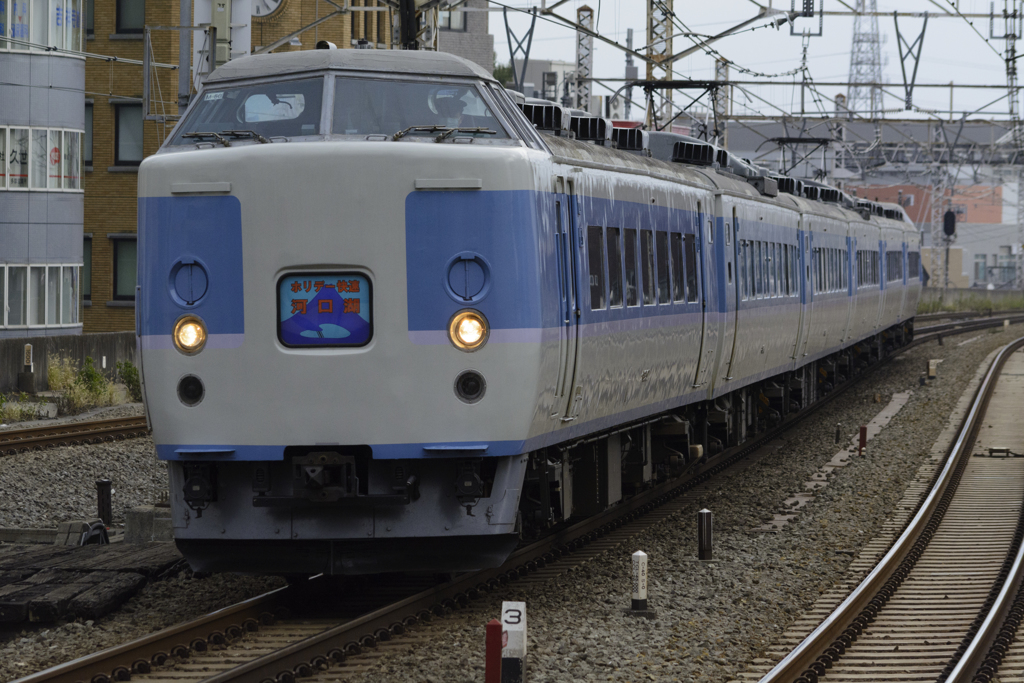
column 190, row 334
column 468, row 330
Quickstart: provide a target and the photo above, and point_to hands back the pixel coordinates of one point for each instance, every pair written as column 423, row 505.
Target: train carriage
column 391, row 319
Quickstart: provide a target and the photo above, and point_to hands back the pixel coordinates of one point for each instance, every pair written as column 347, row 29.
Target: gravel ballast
column 713, row 618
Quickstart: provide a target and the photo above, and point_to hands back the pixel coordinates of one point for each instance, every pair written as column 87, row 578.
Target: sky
column 953, row 49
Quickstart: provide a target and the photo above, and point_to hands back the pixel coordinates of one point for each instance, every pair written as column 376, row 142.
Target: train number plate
column 324, row 309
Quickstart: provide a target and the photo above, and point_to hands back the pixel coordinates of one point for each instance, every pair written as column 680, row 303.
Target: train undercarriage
column 571, row 481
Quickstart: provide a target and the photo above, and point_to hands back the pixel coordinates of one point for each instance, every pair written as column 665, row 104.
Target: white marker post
column 638, row 606
column 513, row 642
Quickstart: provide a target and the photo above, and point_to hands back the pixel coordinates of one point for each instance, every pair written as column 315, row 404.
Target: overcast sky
column 952, row 50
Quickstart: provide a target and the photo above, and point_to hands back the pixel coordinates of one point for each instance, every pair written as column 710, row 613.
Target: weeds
column 81, row 388
column 969, row 302
column 129, row 376
column 16, row 410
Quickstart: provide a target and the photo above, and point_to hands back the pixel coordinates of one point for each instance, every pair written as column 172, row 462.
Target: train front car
column 338, row 279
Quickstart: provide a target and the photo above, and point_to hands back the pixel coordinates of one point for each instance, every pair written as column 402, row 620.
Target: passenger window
column 678, row 292
column 769, row 262
column 691, row 268
column 785, row 268
column 664, row 281
column 647, row 265
column 741, row 269
column 632, row 290
column 595, row 261
column 758, row 271
column 614, row 268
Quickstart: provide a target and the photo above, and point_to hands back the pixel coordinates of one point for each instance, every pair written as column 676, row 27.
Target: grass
column 970, row 302
column 81, row 388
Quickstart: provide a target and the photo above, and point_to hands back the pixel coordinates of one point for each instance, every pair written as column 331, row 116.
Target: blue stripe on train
column 207, row 230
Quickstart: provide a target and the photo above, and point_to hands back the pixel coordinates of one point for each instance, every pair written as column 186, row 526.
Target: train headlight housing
column 190, row 334
column 468, row 330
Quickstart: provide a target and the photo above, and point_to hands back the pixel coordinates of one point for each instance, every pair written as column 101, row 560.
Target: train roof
column 405, row 62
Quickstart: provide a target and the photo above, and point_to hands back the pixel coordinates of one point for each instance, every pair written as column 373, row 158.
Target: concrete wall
column 116, row 346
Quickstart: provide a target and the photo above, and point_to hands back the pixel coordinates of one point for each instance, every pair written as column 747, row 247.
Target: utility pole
column 866, row 61
column 584, row 57
column 659, row 53
column 631, row 75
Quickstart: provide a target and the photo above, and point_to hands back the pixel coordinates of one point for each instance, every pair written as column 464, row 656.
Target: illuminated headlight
column 190, row 334
column 468, row 330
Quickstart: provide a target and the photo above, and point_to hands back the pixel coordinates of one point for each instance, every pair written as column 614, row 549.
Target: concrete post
column 513, row 642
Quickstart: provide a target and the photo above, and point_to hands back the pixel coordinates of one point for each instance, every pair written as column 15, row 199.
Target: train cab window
column 595, row 263
column 632, row 288
column 614, row 240
column 647, row 265
column 369, row 106
column 664, row 276
column 691, row 268
column 278, row 109
column 678, row 291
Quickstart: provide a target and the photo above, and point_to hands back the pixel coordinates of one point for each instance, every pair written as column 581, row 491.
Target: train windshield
column 399, row 109
column 258, row 112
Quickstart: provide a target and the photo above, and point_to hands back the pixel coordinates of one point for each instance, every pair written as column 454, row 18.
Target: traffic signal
column 949, row 223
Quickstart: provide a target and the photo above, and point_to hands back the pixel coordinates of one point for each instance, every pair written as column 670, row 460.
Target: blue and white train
column 392, row 319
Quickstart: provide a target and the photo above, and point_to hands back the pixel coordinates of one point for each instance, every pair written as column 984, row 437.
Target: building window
column 127, row 134
column 87, row 137
column 17, row 295
column 90, row 21
column 3, row 162
column 87, row 269
column 454, row 20
column 40, row 159
column 980, row 267
column 131, row 16
column 124, row 269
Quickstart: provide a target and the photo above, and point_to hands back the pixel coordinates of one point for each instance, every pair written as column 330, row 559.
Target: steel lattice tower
column 866, row 61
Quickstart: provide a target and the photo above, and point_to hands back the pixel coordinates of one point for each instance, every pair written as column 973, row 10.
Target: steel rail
column 346, row 639
column 811, row 652
column 137, row 656
column 13, row 441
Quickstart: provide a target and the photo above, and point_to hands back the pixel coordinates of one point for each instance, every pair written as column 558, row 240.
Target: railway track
column 263, row 640
column 940, row 604
column 13, row 441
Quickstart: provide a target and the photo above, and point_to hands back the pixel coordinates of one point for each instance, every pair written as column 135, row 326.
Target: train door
column 846, row 280
column 705, row 269
column 732, row 288
column 807, row 299
column 568, row 396
column 882, row 293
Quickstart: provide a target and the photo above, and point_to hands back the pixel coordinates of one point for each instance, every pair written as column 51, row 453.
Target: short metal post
column 513, row 642
column 940, row 340
column 704, row 534
column 839, row 426
column 492, row 659
column 104, row 506
column 863, row 440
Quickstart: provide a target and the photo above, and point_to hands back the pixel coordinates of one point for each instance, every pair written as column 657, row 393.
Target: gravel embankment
column 104, row 413
column 44, row 488
column 715, row 617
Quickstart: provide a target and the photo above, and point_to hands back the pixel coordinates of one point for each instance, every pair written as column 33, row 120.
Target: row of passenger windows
column 661, row 275
column 768, row 270
column 830, row 271
column 867, row 268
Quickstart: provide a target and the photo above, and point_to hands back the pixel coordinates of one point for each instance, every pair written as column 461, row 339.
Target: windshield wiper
column 452, row 131
column 246, row 134
column 426, row 129
column 449, row 130
column 216, row 136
